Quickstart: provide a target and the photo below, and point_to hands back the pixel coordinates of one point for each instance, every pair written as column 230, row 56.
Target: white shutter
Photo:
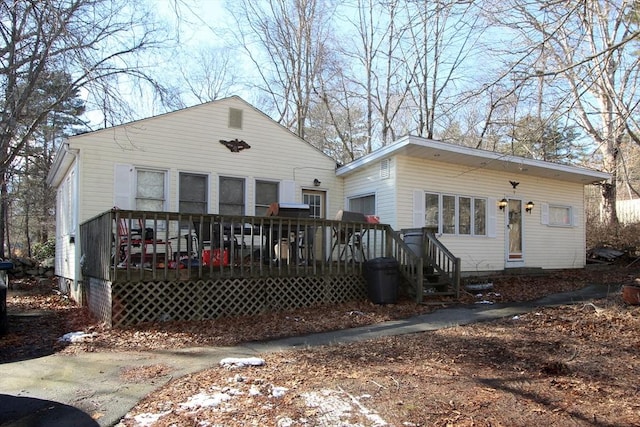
column 576, row 218
column 288, row 191
column 544, row 214
column 123, row 186
column 492, row 216
column 418, row 208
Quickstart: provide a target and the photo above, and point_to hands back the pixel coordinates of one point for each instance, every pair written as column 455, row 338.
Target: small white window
column 231, row 196
column 150, row 190
column 560, row 216
column 266, row 193
column 363, row 204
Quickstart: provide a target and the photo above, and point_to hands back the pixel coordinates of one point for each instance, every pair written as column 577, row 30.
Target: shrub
column 624, row 237
column 42, row 251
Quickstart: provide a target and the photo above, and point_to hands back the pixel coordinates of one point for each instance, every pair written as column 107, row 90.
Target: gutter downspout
column 76, row 215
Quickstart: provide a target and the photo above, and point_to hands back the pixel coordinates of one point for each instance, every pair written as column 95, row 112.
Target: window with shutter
column 266, row 193
column 150, row 190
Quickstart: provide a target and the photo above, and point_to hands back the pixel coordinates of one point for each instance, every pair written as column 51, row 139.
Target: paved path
column 62, row 390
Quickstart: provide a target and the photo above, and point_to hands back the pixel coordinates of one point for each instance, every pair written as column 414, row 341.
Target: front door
column 514, row 246
column 317, row 201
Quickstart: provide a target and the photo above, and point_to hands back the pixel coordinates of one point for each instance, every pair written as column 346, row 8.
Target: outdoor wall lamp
column 529, row 206
column 316, row 182
column 503, row 204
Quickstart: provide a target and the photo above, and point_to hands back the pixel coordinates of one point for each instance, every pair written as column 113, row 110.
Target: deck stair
column 440, row 275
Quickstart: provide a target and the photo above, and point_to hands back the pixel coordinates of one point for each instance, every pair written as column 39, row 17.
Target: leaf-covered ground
column 571, row 365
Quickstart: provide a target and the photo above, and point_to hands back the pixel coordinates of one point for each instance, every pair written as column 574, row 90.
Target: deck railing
column 126, row 245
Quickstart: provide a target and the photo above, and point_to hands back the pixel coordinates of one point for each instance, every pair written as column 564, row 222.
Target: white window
column 65, row 215
column 231, row 196
column 479, row 217
column 150, row 190
column 363, row 204
column 560, row 216
column 452, row 214
column 314, row 200
column 193, row 193
column 266, row 193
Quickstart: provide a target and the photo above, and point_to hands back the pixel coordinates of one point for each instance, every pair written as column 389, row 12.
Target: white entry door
column 515, row 249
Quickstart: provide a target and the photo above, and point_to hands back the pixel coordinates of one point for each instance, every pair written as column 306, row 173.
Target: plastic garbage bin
column 382, row 276
column 4, row 285
column 413, row 237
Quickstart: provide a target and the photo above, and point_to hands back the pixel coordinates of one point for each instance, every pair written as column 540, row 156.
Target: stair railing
column 441, row 259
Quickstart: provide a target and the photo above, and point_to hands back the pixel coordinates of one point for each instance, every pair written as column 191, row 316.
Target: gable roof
column 473, row 158
column 66, row 154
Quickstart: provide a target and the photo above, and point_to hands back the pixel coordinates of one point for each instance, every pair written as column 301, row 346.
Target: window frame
column 243, row 205
column 360, row 197
column 204, row 202
column 261, row 206
column 138, row 198
column 569, row 216
column 457, row 211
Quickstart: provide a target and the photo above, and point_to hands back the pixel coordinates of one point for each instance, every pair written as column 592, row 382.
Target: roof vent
column 385, row 169
column 235, row 118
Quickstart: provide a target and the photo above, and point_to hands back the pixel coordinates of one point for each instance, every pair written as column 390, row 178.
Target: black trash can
column 4, row 286
column 382, row 276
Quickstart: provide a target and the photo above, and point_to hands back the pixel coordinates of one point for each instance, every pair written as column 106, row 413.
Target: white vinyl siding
column 484, row 249
column 188, row 140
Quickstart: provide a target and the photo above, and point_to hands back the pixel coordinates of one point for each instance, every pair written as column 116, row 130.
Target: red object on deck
column 217, row 259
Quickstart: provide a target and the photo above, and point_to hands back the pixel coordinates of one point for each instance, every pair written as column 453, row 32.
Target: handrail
column 442, row 260
column 411, row 265
column 193, row 246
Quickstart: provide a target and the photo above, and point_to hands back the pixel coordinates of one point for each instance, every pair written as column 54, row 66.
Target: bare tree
column 285, row 41
column 589, row 52
column 212, row 74
column 92, row 40
column 443, row 37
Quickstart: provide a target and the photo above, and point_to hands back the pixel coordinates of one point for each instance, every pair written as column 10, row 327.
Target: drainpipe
column 76, row 215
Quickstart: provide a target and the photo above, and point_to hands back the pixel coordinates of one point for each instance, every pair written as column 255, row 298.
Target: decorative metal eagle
column 235, row 146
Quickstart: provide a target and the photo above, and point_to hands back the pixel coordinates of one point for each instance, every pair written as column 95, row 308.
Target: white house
column 477, row 201
column 492, row 210
column 221, row 157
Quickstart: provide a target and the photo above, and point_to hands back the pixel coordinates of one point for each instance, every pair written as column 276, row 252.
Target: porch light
column 316, row 182
column 503, row 204
column 529, row 206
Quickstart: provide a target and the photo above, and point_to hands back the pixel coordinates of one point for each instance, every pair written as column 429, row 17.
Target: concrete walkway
column 67, row 390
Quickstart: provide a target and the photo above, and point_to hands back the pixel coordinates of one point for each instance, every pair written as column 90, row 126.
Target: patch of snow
column 237, row 362
column 484, row 301
column 278, row 391
column 147, row 419
column 336, row 405
column 285, row 422
column 206, row 400
column 515, row 318
column 77, row 336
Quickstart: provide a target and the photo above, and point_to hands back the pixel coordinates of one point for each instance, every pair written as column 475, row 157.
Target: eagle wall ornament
column 235, row 146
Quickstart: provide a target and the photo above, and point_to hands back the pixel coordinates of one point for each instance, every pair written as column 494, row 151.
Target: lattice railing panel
column 162, row 301
column 98, row 294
